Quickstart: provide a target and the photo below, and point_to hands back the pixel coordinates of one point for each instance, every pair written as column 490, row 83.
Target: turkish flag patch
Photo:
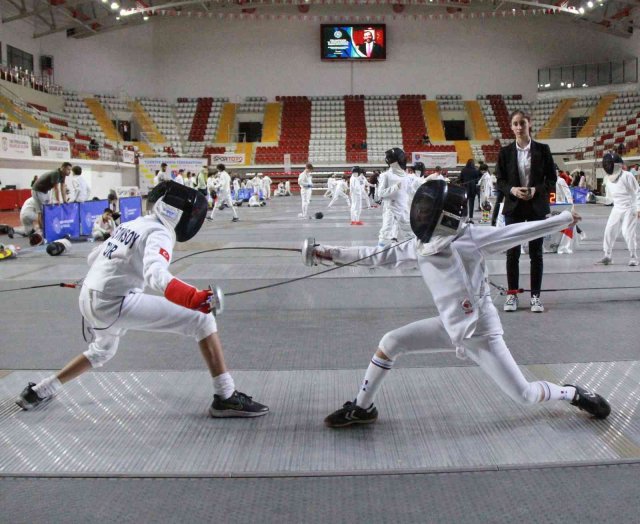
column 164, row 253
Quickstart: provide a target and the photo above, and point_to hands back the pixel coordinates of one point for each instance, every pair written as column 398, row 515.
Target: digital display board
column 360, row 42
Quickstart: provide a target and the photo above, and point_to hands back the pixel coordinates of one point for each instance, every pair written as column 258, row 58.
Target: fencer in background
column 266, row 186
column 77, row 186
column 485, row 185
column 224, row 193
column 236, row 187
column 280, row 190
column 112, row 299
column 622, row 189
column 305, row 183
column 179, row 179
column 395, row 189
column 340, row 189
column 450, row 257
column 28, row 223
column 437, row 175
column 103, row 226
column 287, row 188
column 357, row 192
column 331, row 183
column 366, row 186
column 254, row 201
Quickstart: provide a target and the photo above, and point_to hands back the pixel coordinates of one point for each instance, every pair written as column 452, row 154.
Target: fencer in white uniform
column 395, row 189
column 365, row 188
column 266, row 186
column 78, row 188
column 236, row 187
column 224, row 193
column 340, row 189
column 450, row 257
column 305, row 183
column 486, row 185
column 356, row 189
column 622, row 189
column 112, row 299
column 331, row 182
column 28, row 219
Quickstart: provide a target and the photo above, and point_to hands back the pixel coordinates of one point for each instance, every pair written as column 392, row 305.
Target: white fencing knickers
column 110, row 317
column 339, row 194
column 489, row 351
column 224, row 197
column 305, row 197
column 625, row 220
column 356, row 207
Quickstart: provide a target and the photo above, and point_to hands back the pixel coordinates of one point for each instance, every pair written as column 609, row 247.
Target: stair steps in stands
column 146, row 123
column 18, row 115
column 103, row 119
column 556, row 118
column 271, row 124
column 601, row 109
column 464, row 151
column 480, row 129
column 226, row 124
column 432, row 119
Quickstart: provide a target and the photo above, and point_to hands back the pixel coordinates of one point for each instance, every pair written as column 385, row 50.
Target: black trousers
column 470, row 202
column 524, row 213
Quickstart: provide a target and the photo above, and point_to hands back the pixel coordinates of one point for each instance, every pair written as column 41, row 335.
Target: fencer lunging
column 623, row 190
column 340, row 189
column 112, row 301
column 305, row 182
column 450, row 257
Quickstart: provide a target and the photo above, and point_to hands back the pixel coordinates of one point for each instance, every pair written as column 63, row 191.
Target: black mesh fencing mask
column 438, row 208
column 609, row 161
column 191, row 202
column 396, row 155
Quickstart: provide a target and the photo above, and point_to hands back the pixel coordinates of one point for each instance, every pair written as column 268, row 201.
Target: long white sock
column 47, row 387
column 373, row 378
column 550, row 391
column 223, row 385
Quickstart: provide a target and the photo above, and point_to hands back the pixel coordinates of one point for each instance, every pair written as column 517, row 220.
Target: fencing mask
column 437, row 208
column 57, row 247
column 419, row 169
column 35, row 239
column 179, row 207
column 356, row 170
column 396, row 155
column 612, row 163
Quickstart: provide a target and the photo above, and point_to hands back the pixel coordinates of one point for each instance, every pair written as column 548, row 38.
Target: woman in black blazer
column 525, row 175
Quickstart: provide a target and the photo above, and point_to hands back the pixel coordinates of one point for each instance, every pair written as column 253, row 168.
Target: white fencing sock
column 223, row 385
column 373, row 378
column 550, row 391
column 47, row 387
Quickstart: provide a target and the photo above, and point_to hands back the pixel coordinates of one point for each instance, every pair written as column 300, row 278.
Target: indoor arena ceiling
column 85, row 18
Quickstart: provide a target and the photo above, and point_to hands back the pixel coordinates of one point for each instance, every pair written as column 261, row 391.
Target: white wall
column 101, row 176
column 174, row 57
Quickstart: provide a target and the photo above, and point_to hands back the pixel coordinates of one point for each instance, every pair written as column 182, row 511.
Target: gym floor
column 133, row 441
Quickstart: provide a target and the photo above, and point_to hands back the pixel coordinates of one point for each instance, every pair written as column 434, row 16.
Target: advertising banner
column 60, row 149
column 128, row 157
column 130, row 208
column 148, row 166
column 15, row 146
column 446, row 160
column 228, row 159
column 89, row 211
column 61, row 220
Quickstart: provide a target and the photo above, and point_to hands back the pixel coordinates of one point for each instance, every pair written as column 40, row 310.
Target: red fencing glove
column 183, row 294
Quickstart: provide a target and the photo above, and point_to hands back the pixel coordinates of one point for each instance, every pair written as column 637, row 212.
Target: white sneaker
column 536, row 305
column 605, row 261
column 583, row 236
column 511, row 304
column 633, row 261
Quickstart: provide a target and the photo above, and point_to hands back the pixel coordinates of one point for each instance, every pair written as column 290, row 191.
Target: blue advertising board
column 130, row 208
column 89, row 211
column 61, row 220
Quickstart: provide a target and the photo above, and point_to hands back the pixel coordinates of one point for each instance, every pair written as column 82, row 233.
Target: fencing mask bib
column 437, row 208
column 180, row 207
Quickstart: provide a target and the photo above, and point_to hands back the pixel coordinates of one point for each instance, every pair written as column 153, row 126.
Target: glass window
column 617, row 73
column 19, row 58
column 631, row 70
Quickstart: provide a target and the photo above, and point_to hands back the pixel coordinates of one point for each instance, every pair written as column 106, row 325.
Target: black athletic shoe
column 349, row 414
column 235, row 219
column 10, row 232
column 590, row 402
column 29, row 399
column 237, row 405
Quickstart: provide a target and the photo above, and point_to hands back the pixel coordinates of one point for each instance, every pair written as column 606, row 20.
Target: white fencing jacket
column 456, row 273
column 136, row 256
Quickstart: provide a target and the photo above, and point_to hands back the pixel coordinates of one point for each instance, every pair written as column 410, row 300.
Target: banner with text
column 228, row 159
column 446, row 159
column 128, row 157
column 60, row 149
column 15, row 146
column 148, row 167
column 130, row 208
column 61, row 220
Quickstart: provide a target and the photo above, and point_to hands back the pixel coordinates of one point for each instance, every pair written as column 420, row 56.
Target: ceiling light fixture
column 115, row 5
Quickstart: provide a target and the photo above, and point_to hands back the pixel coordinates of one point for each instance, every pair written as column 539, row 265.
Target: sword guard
column 216, row 300
column 308, row 245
